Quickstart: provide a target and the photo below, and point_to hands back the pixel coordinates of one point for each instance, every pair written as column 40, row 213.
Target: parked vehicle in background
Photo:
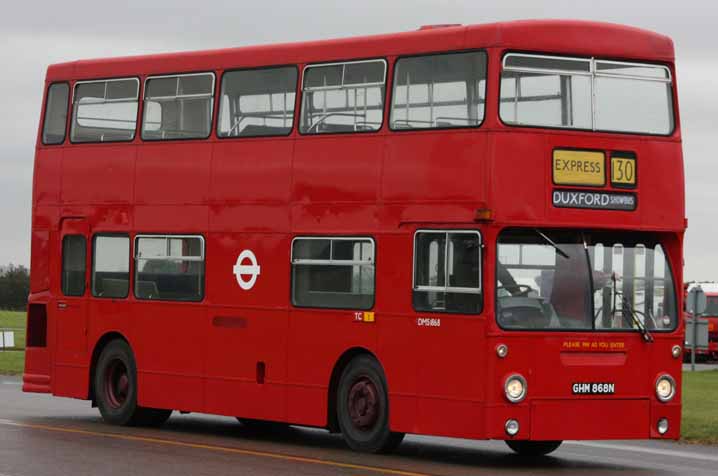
column 469, row 231
column 710, row 315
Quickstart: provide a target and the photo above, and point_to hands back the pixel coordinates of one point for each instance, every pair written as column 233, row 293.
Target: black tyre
column 115, row 388
column 533, row 449
column 363, row 407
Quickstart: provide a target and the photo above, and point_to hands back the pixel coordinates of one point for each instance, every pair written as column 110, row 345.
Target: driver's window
column 542, row 280
column 447, row 271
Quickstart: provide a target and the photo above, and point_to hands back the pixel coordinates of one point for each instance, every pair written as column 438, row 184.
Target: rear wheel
column 363, row 407
column 115, row 388
column 532, row 449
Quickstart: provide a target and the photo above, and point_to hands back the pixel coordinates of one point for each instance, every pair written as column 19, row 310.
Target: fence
column 12, row 338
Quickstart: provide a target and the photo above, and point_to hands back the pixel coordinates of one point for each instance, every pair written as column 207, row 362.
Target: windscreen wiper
column 551, row 242
column 647, row 337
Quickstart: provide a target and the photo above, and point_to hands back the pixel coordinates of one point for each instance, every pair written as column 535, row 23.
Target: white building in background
column 707, row 286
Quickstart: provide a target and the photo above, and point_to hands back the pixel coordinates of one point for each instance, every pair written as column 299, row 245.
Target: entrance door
column 71, row 305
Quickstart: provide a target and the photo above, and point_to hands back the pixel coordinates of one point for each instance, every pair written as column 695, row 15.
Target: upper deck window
column 105, row 111
column 586, row 93
column 53, row 130
column 178, row 107
column 439, row 91
column 257, row 102
column 343, row 97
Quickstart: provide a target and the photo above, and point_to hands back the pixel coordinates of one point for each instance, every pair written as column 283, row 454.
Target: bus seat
column 147, row 290
column 114, row 287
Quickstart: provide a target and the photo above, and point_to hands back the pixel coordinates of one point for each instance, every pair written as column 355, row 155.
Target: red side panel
column 98, row 173
column 40, row 261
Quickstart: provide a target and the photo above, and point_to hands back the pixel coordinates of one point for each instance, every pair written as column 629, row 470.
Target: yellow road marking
column 221, row 449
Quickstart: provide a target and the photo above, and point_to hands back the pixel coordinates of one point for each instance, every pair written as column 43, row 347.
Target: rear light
column 515, row 388
column 665, row 388
column 36, row 325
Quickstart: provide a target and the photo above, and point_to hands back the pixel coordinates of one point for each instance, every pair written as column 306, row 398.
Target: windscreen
column 586, row 93
column 711, row 306
column 591, row 281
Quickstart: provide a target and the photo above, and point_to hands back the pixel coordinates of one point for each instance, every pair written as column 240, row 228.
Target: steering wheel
column 523, row 290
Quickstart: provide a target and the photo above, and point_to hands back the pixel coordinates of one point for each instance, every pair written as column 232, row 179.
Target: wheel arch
column 339, row 366
column 97, row 350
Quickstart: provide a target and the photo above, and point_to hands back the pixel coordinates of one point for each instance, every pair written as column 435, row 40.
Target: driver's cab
column 581, row 280
column 520, row 306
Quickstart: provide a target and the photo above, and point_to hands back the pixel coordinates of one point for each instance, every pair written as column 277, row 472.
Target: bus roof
column 571, row 37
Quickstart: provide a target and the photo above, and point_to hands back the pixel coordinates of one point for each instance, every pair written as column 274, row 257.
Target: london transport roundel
column 246, row 270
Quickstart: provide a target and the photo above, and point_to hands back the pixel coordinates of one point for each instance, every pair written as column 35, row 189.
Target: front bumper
column 586, row 419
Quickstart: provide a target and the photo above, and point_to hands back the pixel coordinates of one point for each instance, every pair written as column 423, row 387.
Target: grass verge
column 12, row 362
column 700, row 410
column 14, row 321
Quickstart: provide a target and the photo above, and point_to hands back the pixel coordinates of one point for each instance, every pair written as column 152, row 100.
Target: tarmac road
column 45, row 436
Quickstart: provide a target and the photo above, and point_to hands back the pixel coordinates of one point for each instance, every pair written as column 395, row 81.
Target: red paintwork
column 258, row 193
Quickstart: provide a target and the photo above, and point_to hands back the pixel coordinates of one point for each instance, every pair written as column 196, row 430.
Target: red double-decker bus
column 471, row 231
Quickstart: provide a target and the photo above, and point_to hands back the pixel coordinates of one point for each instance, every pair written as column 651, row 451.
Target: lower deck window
column 73, row 265
column 447, row 271
column 111, row 266
column 169, row 268
column 333, row 272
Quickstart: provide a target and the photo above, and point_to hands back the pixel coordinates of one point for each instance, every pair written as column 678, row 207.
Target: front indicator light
column 515, row 388
column 662, row 426
column 676, row 351
column 502, row 350
column 511, row 427
column 665, row 388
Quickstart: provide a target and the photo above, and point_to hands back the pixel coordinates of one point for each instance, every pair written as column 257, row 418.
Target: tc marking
column 241, row 270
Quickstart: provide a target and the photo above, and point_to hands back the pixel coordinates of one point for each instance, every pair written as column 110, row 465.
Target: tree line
column 14, row 287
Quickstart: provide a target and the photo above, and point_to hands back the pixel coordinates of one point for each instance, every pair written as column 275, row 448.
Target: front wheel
column 115, row 388
column 363, row 407
column 533, row 449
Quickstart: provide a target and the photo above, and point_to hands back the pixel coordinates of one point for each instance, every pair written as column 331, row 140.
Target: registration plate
column 593, row 388
column 579, row 167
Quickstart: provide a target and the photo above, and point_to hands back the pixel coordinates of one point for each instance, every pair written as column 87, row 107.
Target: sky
column 34, row 34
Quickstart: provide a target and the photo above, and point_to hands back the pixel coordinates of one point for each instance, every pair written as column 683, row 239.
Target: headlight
column 665, row 388
column 515, row 388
